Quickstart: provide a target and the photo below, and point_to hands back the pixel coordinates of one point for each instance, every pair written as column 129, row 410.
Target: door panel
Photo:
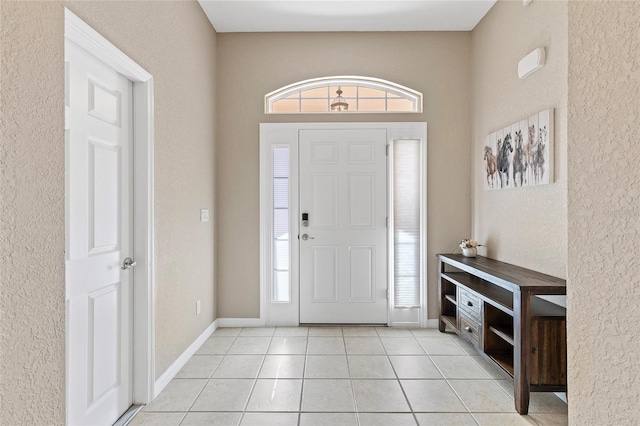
column 99, row 233
column 362, row 274
column 104, row 335
column 324, row 153
column 104, row 197
column 361, row 200
column 325, row 200
column 362, row 153
column 343, row 263
column 104, row 104
column 325, row 274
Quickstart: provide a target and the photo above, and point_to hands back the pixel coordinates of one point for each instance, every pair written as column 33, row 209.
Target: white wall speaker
column 531, row 63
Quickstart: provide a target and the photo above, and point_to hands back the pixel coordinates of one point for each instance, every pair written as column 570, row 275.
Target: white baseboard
column 240, row 322
column 257, row 322
column 282, row 324
column 177, row 365
column 432, row 323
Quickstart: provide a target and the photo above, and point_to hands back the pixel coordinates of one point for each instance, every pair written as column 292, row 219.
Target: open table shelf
column 503, row 332
column 504, row 360
column 451, row 321
column 503, row 299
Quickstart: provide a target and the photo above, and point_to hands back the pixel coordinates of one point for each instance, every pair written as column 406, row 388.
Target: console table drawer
column 469, row 329
column 470, row 302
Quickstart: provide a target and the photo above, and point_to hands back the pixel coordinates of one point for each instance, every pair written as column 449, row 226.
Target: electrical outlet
column 198, row 307
column 204, row 215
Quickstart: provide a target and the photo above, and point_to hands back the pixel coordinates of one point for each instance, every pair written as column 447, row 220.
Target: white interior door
column 343, row 250
column 99, row 238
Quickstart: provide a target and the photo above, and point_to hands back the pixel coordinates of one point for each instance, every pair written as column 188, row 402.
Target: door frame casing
column 287, row 135
column 80, row 33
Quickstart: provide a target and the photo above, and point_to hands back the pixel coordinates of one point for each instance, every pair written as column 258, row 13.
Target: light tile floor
column 342, row 376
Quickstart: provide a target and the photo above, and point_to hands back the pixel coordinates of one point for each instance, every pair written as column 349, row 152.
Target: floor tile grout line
column 401, row 387
column 457, row 395
column 437, row 368
column 483, row 367
column 209, row 379
column 396, row 374
column 353, row 392
column 198, row 396
column 474, row 418
column 184, row 416
column 489, row 380
column 255, row 380
column 304, row 372
column 509, row 394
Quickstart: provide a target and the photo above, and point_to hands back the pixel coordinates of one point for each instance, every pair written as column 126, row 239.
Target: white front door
column 99, row 201
column 343, row 250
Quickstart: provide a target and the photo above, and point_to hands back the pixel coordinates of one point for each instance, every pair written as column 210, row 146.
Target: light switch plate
column 204, row 215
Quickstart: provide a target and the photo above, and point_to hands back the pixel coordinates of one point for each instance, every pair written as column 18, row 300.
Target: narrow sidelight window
column 406, row 223
column 281, row 281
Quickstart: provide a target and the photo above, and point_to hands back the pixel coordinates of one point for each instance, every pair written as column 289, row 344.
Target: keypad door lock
column 305, row 219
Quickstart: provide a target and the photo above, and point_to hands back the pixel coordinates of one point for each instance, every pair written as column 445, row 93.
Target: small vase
column 470, row 252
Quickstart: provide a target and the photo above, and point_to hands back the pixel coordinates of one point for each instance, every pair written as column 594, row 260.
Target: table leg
column 442, row 326
column 522, row 349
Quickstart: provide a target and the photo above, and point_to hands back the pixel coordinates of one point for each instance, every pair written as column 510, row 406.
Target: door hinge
column 387, row 293
column 387, row 150
column 387, row 221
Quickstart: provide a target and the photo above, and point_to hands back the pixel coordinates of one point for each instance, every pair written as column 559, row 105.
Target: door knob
column 306, row 237
column 128, row 263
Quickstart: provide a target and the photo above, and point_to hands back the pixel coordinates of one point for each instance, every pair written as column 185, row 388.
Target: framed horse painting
column 521, row 154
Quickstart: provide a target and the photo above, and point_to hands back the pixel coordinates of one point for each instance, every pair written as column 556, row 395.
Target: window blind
column 280, row 287
column 406, row 223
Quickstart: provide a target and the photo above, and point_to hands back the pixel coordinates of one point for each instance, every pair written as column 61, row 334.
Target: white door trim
column 77, row 31
column 409, row 317
column 286, row 134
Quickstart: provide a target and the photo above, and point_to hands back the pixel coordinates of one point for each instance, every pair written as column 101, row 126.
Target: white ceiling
column 228, row 16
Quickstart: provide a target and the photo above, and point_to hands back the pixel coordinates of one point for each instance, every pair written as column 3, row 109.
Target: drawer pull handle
column 469, row 304
column 468, row 329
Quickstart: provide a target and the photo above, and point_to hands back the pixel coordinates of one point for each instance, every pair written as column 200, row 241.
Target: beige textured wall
column 604, row 212
column 524, row 226
column 32, row 345
column 173, row 41
column 251, row 65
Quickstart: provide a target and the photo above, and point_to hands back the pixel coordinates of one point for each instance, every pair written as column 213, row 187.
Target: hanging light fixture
column 339, row 104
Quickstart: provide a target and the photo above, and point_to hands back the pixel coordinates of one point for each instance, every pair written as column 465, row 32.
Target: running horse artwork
column 518, row 163
column 538, row 155
column 503, row 160
column 491, row 166
column 520, row 155
column 528, row 151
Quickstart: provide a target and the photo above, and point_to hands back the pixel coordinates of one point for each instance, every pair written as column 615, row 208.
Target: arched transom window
column 347, row 94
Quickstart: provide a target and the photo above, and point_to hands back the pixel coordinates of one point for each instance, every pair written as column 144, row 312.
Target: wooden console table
column 493, row 305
